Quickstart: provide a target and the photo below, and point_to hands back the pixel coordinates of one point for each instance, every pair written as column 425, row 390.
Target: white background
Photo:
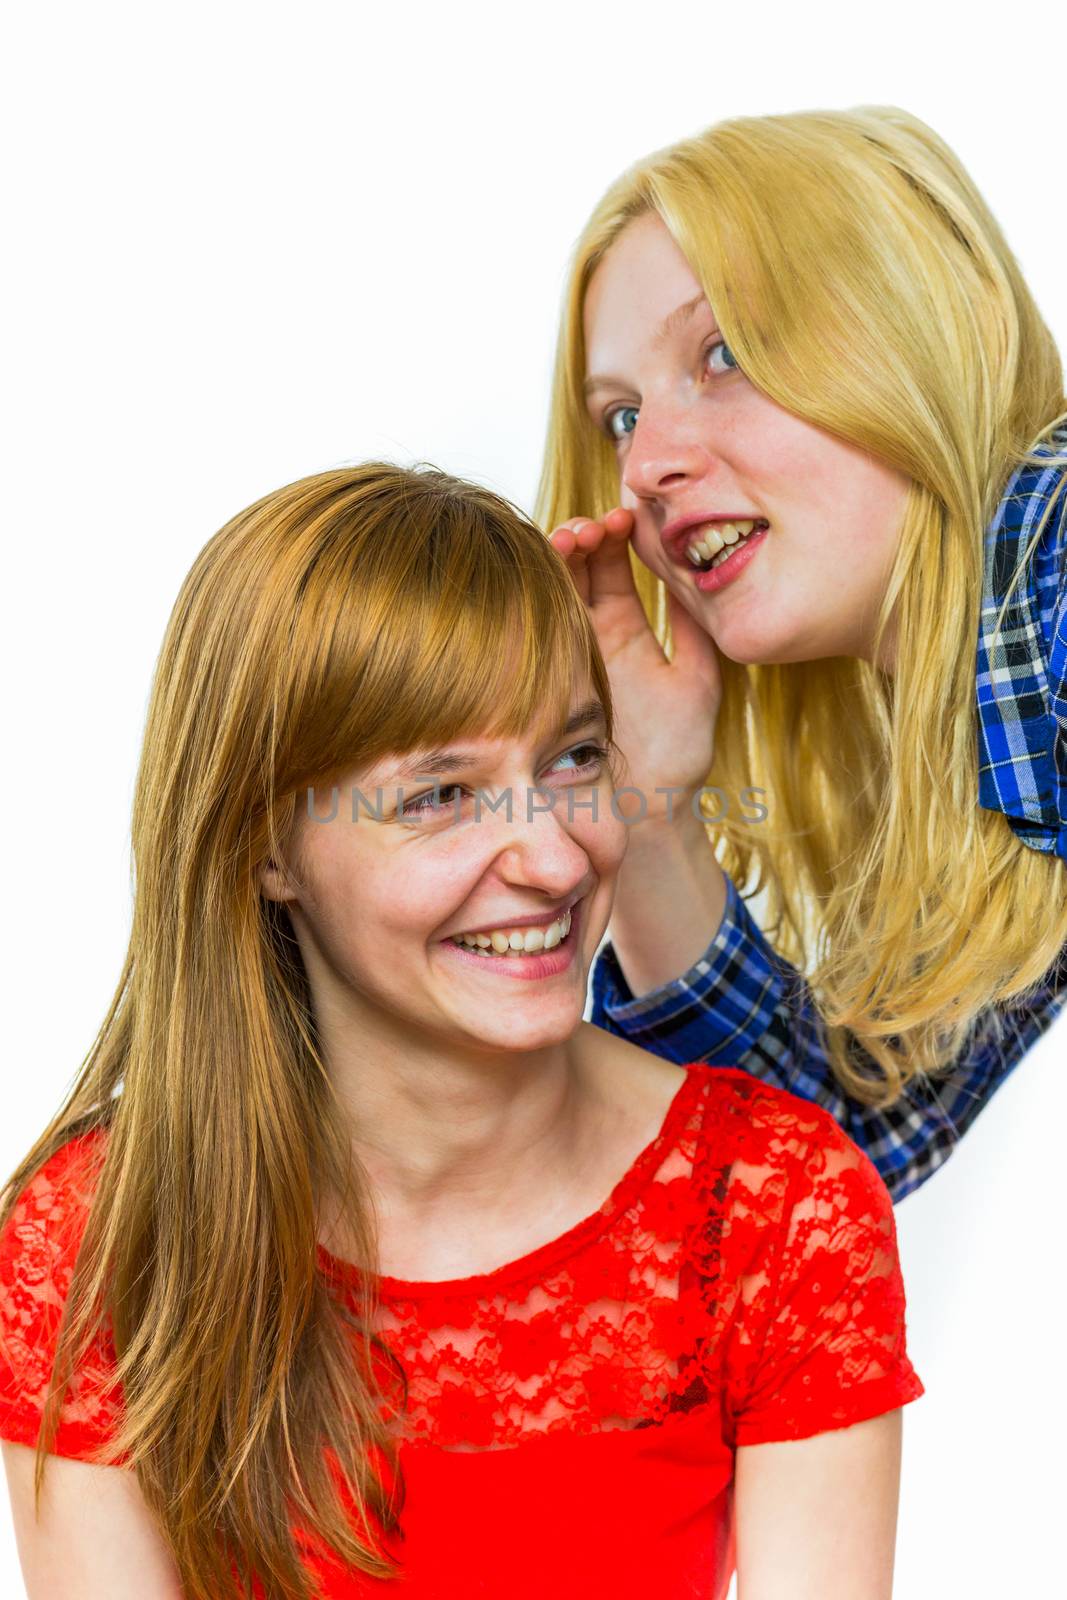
column 247, row 243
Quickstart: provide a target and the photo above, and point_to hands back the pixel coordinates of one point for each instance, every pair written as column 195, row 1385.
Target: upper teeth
column 709, row 541
column 517, row 941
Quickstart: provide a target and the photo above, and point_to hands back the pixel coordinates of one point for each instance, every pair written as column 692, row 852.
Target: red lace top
column 573, row 1415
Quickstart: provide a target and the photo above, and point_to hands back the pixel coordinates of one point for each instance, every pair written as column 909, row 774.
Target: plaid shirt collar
column 1022, row 671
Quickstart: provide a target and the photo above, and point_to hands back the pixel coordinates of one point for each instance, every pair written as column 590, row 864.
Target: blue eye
column 728, row 355
column 612, row 418
column 615, row 425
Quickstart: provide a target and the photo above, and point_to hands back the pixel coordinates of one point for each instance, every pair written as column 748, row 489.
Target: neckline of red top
column 533, row 1264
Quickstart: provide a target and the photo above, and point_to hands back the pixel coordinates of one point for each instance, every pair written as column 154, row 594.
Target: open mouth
column 710, row 546
column 504, row 943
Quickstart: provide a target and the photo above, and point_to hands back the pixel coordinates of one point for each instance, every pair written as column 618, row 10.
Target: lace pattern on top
column 746, row 1261
column 38, row 1250
column 745, row 1264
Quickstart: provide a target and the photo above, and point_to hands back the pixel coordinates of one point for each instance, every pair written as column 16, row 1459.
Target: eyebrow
column 670, row 324
column 429, row 763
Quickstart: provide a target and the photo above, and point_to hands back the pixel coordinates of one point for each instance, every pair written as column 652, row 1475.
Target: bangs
column 445, row 615
column 505, row 649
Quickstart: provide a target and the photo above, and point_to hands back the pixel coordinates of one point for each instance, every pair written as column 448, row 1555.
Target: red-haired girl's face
column 519, row 837
column 698, row 444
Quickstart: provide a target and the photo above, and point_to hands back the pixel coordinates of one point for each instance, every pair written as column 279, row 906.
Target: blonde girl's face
column 699, row 446
column 383, row 901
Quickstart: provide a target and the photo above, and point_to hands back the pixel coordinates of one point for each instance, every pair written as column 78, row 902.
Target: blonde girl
column 815, row 423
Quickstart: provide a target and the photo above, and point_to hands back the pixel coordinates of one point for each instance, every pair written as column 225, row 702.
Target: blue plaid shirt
column 740, row 1004
column 1022, row 670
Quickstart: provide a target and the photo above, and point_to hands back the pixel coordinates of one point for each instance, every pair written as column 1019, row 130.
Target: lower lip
column 718, row 577
column 538, row 964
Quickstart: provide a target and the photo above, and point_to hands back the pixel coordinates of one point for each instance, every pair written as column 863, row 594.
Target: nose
column 665, row 451
column 540, row 852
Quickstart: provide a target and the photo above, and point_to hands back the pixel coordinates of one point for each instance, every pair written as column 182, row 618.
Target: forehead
column 640, row 281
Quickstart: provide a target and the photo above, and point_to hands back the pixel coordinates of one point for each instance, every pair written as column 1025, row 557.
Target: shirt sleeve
column 38, row 1249
column 818, row 1337
column 1057, row 648
column 741, row 1004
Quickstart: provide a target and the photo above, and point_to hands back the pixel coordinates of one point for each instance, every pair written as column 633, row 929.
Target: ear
column 275, row 883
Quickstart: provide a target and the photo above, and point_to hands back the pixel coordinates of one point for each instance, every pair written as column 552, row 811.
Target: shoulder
column 1053, row 580
column 1035, row 484
column 1049, row 507
column 38, row 1251
column 763, row 1141
column 47, row 1220
column 1045, row 508
column 799, row 1267
column 1030, row 523
column 1034, row 502
column 747, row 1117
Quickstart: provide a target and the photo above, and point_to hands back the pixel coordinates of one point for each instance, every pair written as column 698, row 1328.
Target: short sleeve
column 38, row 1249
column 817, row 1339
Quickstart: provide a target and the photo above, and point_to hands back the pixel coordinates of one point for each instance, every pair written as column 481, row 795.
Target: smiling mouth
column 507, row 942
column 713, row 544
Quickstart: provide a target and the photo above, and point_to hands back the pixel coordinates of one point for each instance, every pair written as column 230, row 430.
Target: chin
column 536, row 1033
column 757, row 640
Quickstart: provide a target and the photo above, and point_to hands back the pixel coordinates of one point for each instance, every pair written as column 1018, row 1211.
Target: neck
column 442, row 1124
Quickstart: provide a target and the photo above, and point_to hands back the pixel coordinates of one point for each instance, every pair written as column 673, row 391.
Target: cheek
column 604, row 839
column 769, row 451
column 856, row 520
column 812, row 468
column 412, row 898
column 646, row 542
column 367, row 897
column 887, row 499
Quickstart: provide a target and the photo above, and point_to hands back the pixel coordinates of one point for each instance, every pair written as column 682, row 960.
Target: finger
column 576, row 541
column 588, row 532
column 563, row 542
column 580, row 539
column 585, row 533
column 580, row 533
column 578, row 564
column 610, row 570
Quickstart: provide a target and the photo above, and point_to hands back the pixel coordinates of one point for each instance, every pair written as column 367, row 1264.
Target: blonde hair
column 358, row 612
column 861, row 281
